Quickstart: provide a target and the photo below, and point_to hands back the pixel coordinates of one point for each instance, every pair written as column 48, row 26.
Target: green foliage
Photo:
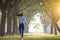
column 37, row 26
column 50, row 8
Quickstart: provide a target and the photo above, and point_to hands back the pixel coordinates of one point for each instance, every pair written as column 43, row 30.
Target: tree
column 6, row 6
column 15, row 26
column 51, row 12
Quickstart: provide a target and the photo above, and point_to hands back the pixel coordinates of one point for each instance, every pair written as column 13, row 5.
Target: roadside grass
column 32, row 37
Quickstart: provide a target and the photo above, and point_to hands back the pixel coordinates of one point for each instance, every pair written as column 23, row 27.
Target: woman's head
column 21, row 14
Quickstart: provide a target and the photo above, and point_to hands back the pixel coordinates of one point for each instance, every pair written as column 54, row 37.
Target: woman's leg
column 22, row 30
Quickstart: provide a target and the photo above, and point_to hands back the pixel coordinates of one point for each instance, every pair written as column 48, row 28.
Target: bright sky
column 33, row 23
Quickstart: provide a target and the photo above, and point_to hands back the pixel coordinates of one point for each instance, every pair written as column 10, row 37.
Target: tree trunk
column 9, row 22
column 2, row 27
column 26, row 28
column 51, row 32
column 45, row 29
column 15, row 28
column 55, row 29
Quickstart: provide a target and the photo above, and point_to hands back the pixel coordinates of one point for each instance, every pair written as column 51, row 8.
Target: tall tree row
column 9, row 9
column 50, row 7
column 6, row 7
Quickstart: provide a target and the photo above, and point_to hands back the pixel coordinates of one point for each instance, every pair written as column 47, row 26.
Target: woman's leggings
column 21, row 29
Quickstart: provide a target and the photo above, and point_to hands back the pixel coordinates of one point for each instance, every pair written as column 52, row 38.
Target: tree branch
column 47, row 13
column 16, row 3
column 27, row 6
